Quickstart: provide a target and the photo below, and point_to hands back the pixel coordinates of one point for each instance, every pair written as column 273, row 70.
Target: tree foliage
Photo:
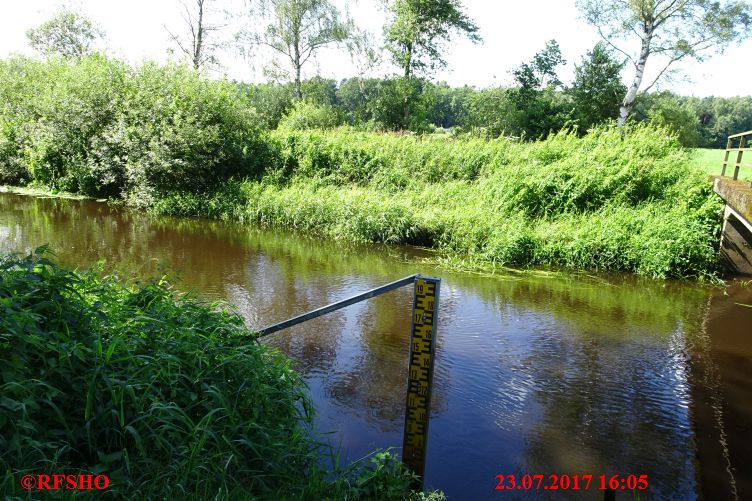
column 378, row 104
column 672, row 30
column 67, row 34
column 306, row 115
column 597, row 89
column 296, row 30
column 418, row 29
column 540, row 109
column 668, row 110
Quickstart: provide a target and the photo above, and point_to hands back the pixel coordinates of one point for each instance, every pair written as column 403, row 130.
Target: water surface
column 550, row 374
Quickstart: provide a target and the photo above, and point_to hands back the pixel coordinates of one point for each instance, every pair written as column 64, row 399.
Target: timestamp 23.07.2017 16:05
column 554, row 482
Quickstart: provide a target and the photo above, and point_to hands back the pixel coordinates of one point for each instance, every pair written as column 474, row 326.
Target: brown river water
column 535, row 373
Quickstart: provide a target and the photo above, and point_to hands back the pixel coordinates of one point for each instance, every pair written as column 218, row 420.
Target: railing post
column 729, row 143
column 742, row 145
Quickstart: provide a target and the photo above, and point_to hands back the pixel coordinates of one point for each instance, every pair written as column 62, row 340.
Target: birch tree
column 669, row 30
column 416, row 33
column 297, row 29
column 199, row 42
column 418, row 28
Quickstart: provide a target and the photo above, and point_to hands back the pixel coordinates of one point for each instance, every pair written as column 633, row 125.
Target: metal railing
column 742, row 146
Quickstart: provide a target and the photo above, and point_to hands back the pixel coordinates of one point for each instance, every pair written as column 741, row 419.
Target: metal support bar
column 336, row 306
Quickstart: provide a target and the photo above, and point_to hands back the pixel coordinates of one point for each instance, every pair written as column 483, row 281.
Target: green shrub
column 307, row 115
column 185, row 132
column 53, row 114
column 13, row 170
column 95, row 126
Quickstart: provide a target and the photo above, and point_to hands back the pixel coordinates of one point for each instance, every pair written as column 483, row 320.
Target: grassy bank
column 603, row 202
column 164, row 139
column 164, row 394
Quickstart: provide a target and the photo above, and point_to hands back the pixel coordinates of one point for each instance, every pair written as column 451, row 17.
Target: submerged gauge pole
column 420, row 373
column 420, row 366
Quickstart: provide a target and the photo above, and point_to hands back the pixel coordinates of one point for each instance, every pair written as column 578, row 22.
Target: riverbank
column 166, row 140
column 45, row 192
column 633, row 204
column 164, row 394
column 603, row 202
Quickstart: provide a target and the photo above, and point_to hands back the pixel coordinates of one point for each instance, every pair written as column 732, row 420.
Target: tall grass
column 166, row 395
column 632, row 203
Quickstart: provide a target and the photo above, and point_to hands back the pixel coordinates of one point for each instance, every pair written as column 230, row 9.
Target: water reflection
column 721, row 387
column 534, row 374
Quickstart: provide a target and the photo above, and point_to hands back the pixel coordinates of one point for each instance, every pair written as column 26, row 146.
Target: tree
column 540, row 108
column 418, row 28
column 320, row 91
column 297, row 29
column 270, row 101
column 67, row 34
column 597, row 89
column 540, row 72
column 199, row 44
column 492, row 112
column 674, row 29
column 416, row 33
column 668, row 110
column 376, row 103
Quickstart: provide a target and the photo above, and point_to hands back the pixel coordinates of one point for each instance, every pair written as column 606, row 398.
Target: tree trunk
column 298, row 91
column 406, row 100
column 296, row 61
column 629, row 100
column 408, row 60
column 198, row 46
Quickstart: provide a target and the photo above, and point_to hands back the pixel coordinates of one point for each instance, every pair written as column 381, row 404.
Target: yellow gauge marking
column 420, row 373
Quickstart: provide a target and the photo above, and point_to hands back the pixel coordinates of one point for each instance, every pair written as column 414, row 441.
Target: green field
column 711, row 161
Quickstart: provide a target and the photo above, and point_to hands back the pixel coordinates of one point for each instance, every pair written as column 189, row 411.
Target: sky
column 512, row 33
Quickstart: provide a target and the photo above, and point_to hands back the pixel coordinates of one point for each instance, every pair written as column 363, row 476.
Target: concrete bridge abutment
column 736, row 237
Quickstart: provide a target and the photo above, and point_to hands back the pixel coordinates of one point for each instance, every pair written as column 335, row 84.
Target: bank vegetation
column 166, row 140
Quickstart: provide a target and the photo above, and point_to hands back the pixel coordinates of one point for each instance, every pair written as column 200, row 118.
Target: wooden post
column 729, row 143
column 742, row 145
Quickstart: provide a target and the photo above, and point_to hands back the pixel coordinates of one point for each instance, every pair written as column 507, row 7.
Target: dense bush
column 605, row 201
column 97, row 127
column 164, row 394
column 307, row 115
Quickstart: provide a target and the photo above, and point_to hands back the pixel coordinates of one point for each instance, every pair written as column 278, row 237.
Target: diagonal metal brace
column 336, row 306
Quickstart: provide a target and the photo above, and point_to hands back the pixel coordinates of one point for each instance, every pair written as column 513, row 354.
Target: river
column 535, row 373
